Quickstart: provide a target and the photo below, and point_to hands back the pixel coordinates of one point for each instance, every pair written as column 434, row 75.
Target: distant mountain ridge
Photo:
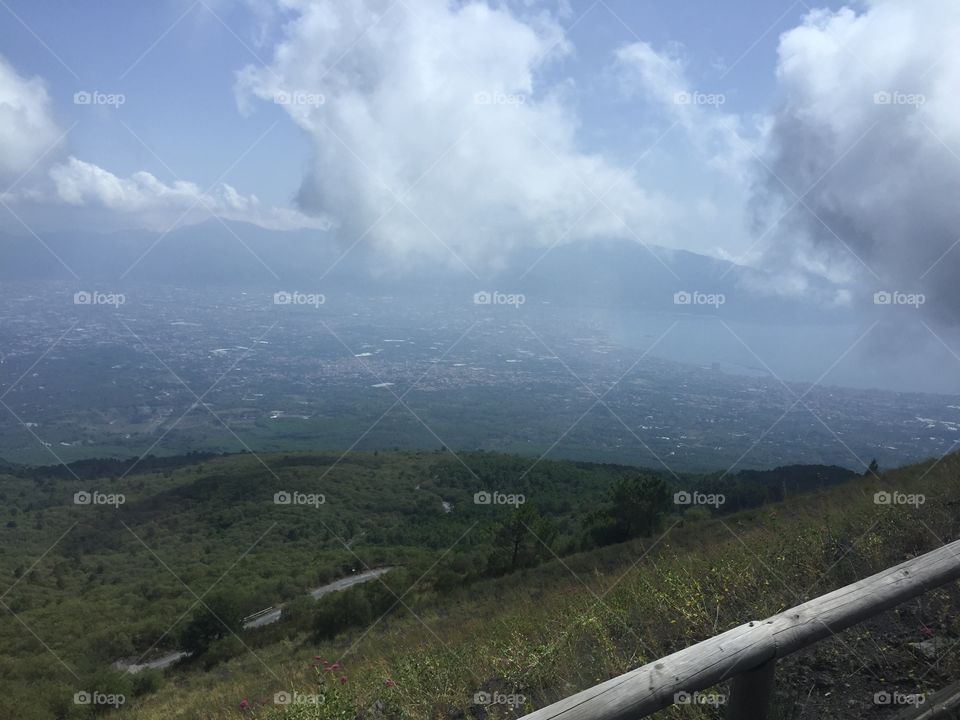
column 610, row 273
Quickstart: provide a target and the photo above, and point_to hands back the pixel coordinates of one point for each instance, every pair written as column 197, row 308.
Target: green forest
column 111, row 560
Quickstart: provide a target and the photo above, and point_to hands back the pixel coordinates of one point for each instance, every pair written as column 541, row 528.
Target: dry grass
column 549, row 632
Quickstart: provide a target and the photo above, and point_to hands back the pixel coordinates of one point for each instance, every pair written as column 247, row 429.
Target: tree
column 298, row 613
column 110, row 644
column 522, row 540
column 216, row 618
column 637, row 504
column 873, row 470
column 222, row 650
column 340, row 610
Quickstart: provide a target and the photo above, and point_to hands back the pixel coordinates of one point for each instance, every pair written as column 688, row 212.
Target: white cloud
column 710, row 149
column 444, row 105
column 662, row 78
column 27, row 128
column 870, row 130
column 31, row 147
column 154, row 204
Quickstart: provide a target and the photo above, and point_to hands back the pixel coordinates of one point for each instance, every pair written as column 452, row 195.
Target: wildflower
column 390, row 683
column 244, row 704
column 343, row 679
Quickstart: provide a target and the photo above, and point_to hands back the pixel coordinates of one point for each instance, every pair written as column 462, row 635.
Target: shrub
column 222, row 650
column 147, row 681
column 338, row 611
column 214, row 620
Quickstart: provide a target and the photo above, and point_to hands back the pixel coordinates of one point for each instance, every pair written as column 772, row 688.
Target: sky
column 189, row 112
column 818, row 139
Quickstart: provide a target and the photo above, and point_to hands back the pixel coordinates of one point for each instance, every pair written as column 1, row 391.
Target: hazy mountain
column 615, row 273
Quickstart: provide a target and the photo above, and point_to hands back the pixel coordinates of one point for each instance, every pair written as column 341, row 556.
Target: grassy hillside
column 450, row 620
column 91, row 584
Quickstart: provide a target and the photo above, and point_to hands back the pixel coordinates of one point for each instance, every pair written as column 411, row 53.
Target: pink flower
column 343, row 679
column 390, row 683
column 244, row 704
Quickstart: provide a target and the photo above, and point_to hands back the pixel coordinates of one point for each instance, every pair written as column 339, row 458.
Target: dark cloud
column 868, row 137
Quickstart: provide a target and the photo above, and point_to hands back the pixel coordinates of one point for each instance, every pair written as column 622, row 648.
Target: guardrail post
column 755, row 645
column 751, row 692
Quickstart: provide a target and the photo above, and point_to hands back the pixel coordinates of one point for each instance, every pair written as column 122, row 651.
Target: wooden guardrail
column 747, row 654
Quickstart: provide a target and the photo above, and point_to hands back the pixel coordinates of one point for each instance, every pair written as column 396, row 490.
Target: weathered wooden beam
column 647, row 689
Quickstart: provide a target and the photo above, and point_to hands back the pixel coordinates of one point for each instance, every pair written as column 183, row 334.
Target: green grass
column 550, row 631
column 542, row 633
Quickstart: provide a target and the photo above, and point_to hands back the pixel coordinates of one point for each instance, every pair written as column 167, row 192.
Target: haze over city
column 330, row 329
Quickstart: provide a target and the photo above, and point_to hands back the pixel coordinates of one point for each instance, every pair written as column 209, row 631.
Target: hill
column 607, row 273
column 536, row 596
